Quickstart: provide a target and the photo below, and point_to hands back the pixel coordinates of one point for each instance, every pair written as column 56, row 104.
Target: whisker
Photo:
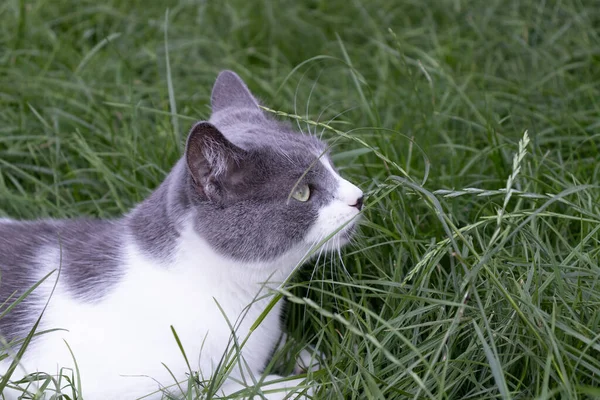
column 316, row 266
column 339, row 251
column 308, row 102
column 296, row 102
column 335, row 117
column 323, row 279
column 333, row 279
column 323, row 111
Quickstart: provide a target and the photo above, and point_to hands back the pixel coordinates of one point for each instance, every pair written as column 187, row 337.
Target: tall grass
column 476, row 274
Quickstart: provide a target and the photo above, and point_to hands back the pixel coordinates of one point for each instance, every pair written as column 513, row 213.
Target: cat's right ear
column 211, row 160
column 230, row 91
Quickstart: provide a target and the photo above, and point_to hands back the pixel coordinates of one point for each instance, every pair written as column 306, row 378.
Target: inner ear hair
column 210, row 159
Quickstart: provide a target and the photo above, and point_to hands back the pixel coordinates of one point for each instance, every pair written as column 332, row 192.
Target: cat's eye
column 302, row 193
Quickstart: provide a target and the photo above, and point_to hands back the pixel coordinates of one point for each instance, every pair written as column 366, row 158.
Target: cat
column 245, row 205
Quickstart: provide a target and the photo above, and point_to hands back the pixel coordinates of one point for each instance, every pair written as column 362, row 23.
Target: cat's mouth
column 334, row 229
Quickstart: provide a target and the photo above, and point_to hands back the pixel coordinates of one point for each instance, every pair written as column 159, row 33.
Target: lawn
column 473, row 127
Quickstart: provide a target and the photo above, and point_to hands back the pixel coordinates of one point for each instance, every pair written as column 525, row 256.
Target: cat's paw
column 273, row 387
column 298, row 389
column 308, row 360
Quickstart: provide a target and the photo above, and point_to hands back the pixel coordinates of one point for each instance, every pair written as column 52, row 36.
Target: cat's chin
column 346, row 235
column 341, row 238
column 349, row 232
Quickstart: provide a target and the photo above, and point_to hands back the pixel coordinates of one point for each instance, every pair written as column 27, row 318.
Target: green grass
column 457, row 288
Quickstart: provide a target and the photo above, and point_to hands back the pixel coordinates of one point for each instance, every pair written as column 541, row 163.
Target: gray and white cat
column 244, row 206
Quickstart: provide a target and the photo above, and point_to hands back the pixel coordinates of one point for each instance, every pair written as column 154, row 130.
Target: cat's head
column 259, row 188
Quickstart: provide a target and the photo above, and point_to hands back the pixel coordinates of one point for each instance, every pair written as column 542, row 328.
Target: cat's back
column 85, row 252
column 19, row 241
column 23, row 243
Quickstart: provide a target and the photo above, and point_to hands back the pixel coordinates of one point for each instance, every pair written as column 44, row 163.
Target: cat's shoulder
column 13, row 229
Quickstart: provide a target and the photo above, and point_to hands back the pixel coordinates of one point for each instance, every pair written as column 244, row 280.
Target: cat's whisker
column 296, row 109
column 307, row 255
column 323, row 279
column 329, row 261
column 296, row 100
column 339, row 252
column 318, row 121
column 315, row 264
column 321, row 249
column 334, row 118
column 315, row 267
column 308, row 102
column 333, row 277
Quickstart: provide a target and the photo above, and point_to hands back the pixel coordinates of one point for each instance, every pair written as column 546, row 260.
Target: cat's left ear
column 212, row 160
column 230, row 91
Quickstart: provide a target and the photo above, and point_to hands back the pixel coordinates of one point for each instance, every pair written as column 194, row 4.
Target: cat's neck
column 194, row 257
column 155, row 224
column 162, row 229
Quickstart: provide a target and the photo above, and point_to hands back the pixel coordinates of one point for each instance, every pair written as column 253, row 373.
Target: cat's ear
column 230, row 91
column 211, row 160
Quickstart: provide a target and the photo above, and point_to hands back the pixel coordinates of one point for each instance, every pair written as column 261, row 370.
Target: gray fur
column 244, row 212
column 233, row 183
column 87, row 253
column 230, row 92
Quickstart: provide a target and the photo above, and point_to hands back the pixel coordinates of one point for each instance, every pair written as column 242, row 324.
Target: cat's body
column 196, row 255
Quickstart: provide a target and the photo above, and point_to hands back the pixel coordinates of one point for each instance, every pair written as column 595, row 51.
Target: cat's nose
column 359, row 203
column 350, row 194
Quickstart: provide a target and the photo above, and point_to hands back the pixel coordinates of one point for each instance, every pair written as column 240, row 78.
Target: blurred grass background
column 96, row 99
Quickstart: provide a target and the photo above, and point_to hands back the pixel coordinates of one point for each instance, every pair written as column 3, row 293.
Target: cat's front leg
column 273, row 387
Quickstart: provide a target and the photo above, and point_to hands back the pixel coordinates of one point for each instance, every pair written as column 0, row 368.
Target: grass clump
column 473, row 126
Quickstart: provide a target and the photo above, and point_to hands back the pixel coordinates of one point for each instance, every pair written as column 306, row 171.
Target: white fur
column 336, row 216
column 347, row 192
column 121, row 341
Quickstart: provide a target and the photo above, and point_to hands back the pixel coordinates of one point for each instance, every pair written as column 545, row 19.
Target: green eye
column 302, row 193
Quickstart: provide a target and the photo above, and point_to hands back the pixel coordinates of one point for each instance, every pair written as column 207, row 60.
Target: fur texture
column 204, row 248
